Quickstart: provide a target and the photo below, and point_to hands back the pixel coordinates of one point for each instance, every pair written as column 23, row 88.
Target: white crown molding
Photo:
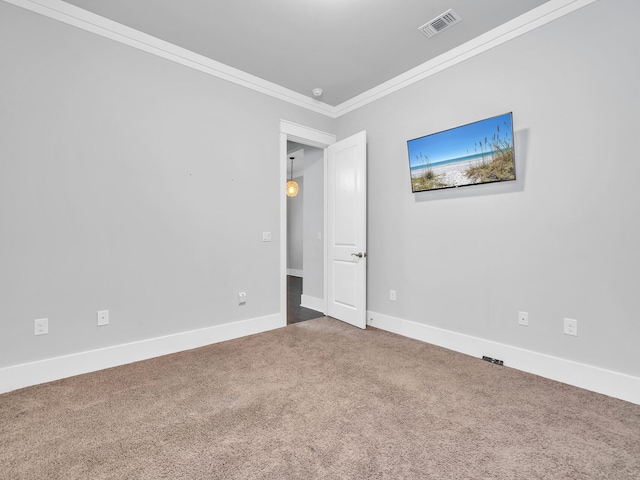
column 531, row 20
column 595, row 379
column 72, row 15
column 80, row 18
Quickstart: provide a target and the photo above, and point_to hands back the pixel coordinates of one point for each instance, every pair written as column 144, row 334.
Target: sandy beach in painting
column 452, row 173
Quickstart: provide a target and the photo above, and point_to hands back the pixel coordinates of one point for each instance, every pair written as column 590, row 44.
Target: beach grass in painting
column 480, row 152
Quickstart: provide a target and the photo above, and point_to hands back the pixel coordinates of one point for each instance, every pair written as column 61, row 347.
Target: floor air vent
column 440, row 23
column 492, row 360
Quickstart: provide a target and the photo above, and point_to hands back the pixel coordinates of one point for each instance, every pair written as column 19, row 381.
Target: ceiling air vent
column 440, row 23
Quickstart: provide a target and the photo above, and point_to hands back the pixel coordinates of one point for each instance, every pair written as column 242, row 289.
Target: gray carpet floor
column 316, row 400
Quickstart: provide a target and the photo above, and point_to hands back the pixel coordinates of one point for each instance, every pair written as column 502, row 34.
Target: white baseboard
column 607, row 382
column 294, row 272
column 314, row 303
column 33, row 373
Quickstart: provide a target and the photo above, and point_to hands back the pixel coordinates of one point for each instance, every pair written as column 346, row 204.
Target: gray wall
column 295, row 227
column 122, row 187
column 305, row 219
column 313, row 252
column 561, row 241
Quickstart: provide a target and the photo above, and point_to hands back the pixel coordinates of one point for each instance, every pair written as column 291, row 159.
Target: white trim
column 33, row 373
column 294, row 272
column 600, row 380
column 531, row 20
column 283, row 222
column 306, row 135
column 325, row 226
column 85, row 20
column 77, row 17
column 314, row 303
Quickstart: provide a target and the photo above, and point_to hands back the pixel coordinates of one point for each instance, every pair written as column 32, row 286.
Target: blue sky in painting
column 458, row 142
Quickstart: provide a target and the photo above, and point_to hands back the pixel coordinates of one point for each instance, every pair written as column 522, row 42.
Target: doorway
column 292, row 132
column 345, row 256
column 305, row 233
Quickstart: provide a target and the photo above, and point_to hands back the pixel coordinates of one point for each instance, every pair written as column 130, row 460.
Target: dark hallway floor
column 296, row 313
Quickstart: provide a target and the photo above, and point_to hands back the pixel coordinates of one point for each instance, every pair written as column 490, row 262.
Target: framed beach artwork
column 479, row 152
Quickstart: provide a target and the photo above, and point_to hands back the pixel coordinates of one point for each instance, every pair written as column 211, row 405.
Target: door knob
column 359, row 254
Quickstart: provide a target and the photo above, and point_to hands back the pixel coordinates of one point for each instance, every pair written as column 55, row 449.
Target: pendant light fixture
column 292, row 186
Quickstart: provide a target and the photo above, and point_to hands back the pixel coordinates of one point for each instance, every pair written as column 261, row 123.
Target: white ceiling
column 345, row 47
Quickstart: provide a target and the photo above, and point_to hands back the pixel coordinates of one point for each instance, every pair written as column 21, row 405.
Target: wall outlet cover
column 523, row 319
column 571, row 327
column 103, row 317
column 41, row 326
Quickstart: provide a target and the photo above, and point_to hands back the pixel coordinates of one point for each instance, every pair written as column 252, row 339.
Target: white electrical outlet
column 103, row 317
column 523, row 319
column 41, row 326
column 242, row 298
column 266, row 236
column 392, row 295
column 571, row 327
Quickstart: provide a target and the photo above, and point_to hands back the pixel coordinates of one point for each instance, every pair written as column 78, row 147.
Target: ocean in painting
column 479, row 152
column 487, row 156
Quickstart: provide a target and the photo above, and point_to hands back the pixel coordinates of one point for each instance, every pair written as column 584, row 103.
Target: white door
column 347, row 230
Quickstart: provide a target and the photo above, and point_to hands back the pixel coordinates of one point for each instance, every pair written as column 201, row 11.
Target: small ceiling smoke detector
column 317, row 92
column 440, row 23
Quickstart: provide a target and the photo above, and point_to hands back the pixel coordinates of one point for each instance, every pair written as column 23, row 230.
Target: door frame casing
column 315, row 138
